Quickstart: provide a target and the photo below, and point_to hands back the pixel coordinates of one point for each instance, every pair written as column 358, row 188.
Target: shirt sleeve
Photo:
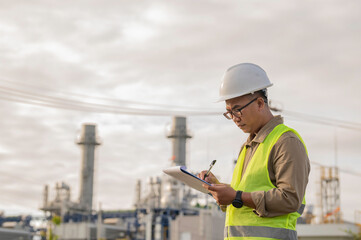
column 291, row 168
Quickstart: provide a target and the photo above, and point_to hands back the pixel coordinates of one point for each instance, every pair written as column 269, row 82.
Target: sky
column 172, row 54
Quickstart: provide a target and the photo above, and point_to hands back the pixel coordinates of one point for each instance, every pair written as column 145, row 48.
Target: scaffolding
column 330, row 195
column 358, row 219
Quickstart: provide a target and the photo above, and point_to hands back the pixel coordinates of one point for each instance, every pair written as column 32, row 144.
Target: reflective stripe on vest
column 260, row 232
column 243, row 223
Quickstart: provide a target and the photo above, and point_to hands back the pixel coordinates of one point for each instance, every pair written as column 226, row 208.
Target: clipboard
column 180, row 173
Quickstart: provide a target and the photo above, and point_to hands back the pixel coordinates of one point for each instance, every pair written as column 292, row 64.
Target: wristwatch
column 237, row 202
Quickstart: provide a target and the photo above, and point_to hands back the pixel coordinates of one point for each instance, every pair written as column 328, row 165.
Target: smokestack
column 138, row 196
column 45, row 196
column 179, row 137
column 88, row 141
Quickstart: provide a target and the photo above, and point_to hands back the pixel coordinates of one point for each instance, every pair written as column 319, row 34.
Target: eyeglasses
column 237, row 112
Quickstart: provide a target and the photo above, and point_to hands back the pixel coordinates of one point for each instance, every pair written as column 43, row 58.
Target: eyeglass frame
column 237, row 112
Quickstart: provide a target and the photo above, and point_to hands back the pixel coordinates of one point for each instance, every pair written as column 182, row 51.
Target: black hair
column 263, row 94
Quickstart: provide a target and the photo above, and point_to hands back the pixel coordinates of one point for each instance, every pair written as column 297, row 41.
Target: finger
column 206, row 186
column 213, row 194
column 216, row 186
column 207, row 179
column 201, row 174
column 211, row 179
column 211, row 187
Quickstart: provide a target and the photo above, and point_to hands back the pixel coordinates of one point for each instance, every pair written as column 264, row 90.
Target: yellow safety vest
column 243, row 223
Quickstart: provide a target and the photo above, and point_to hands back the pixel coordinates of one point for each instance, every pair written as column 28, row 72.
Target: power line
column 357, row 174
column 22, row 96
column 122, row 102
column 319, row 120
column 116, row 106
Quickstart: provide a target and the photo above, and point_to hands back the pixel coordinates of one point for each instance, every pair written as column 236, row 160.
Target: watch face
column 237, row 204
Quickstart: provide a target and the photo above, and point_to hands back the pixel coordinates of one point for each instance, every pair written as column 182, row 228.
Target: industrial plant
column 164, row 208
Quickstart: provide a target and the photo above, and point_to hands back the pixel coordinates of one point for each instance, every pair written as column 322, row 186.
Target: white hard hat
column 242, row 79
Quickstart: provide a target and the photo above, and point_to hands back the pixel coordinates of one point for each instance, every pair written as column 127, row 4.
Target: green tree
column 356, row 236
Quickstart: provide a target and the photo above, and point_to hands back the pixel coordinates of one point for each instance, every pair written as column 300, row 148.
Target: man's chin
column 244, row 129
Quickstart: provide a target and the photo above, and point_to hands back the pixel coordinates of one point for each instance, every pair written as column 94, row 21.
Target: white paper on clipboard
column 180, row 173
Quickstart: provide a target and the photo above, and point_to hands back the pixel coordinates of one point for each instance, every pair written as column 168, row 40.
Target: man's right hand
column 210, row 178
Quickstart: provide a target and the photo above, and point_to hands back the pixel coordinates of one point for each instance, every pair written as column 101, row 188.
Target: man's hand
column 223, row 193
column 210, row 178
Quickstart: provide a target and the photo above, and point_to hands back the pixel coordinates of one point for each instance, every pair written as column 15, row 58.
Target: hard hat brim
column 227, row 97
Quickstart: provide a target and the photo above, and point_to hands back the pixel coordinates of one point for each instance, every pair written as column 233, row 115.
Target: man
column 266, row 195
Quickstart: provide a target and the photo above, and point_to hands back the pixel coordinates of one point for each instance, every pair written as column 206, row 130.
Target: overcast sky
column 172, row 53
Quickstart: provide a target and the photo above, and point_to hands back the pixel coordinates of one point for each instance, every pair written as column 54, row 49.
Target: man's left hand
column 223, row 193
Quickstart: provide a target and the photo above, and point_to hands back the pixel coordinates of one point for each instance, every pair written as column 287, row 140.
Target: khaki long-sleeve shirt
column 288, row 167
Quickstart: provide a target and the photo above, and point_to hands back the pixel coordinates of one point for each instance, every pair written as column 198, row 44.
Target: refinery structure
column 164, row 212
column 164, row 208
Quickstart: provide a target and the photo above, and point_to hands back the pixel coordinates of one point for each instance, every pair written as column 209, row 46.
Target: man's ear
column 260, row 103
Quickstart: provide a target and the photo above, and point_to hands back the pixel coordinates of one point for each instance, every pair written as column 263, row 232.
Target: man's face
column 246, row 120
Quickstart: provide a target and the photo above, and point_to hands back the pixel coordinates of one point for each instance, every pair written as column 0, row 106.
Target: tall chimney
column 179, row 136
column 45, row 196
column 138, row 196
column 88, row 141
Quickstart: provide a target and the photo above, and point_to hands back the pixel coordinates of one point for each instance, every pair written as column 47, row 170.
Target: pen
column 210, row 167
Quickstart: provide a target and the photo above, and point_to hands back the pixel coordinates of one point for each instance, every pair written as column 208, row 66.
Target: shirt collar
column 265, row 130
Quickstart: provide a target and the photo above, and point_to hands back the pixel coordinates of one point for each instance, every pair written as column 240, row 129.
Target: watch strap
column 239, row 195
